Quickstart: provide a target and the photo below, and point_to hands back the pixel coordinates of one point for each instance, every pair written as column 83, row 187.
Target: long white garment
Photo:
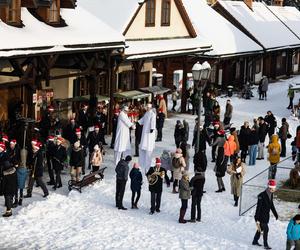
column 149, row 123
column 145, row 160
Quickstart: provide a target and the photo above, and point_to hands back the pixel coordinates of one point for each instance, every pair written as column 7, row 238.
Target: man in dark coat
column 101, row 121
column 45, row 123
column 83, row 144
column 197, row 184
column 262, row 132
column 69, row 132
column 59, row 157
column 283, row 135
column 179, row 133
column 160, row 119
column 135, row 185
column 36, row 173
column 50, row 149
column 83, row 118
column 271, row 123
column 94, row 138
column 262, row 215
column 200, row 161
column 204, row 138
column 244, row 136
column 214, row 138
column 157, row 187
column 122, row 170
column 228, row 113
column 114, row 127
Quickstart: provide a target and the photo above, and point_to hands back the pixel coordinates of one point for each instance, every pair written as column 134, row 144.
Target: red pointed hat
column 2, row 146
column 5, row 138
column 221, row 132
column 160, row 110
column 38, row 145
column 96, row 126
column 60, row 139
column 34, row 141
column 50, row 138
column 272, row 183
column 13, row 141
column 78, row 131
column 157, row 161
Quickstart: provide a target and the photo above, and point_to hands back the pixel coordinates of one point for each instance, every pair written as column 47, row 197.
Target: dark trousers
column 175, row 183
column 265, row 228
column 159, row 134
column 196, row 202
column 155, row 201
column 137, row 197
column 213, row 152
column 226, row 120
column 283, row 147
column 272, row 171
column 174, row 105
column 137, row 143
column 112, row 143
column 243, row 155
column 39, row 182
column 120, row 190
column 57, row 178
column 291, row 103
column 17, row 194
column 167, row 179
column 184, row 204
column 50, row 169
column 8, row 201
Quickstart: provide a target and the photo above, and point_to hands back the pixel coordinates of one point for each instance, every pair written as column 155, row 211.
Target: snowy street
column 90, row 220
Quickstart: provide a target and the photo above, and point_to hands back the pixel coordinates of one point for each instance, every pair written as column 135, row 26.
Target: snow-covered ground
column 90, row 220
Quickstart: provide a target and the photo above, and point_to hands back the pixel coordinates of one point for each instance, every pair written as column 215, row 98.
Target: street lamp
column 201, row 73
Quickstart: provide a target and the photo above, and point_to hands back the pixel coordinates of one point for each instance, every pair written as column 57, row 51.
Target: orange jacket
column 229, row 146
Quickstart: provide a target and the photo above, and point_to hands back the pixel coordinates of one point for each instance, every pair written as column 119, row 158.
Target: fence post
column 240, row 208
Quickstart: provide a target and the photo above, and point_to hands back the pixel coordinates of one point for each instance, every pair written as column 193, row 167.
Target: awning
column 133, row 94
column 84, row 98
column 156, row 90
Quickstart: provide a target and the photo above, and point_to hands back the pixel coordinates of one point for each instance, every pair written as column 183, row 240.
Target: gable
column 179, row 27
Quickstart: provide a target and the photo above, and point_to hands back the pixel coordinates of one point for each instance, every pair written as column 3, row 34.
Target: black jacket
column 136, row 179
column 69, row 133
column 263, row 207
column 59, row 156
column 160, row 119
column 83, row 144
column 197, row 183
column 76, row 158
column 200, row 161
column 262, row 132
column 93, row 139
column 83, row 119
column 244, row 136
column 271, row 123
column 38, row 166
column 203, row 139
column 158, row 186
column 122, row 170
column 14, row 155
column 253, row 138
column 179, row 134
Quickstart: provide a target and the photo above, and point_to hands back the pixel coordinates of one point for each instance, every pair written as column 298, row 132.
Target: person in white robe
column 147, row 143
column 122, row 146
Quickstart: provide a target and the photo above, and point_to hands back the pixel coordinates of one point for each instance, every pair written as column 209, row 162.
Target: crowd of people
column 83, row 138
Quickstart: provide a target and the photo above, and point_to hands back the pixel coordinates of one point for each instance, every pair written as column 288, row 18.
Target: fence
column 257, row 184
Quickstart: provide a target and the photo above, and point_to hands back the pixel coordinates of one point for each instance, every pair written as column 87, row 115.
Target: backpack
column 176, row 162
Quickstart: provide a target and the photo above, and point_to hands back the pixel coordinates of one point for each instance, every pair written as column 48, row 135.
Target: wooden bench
column 86, row 180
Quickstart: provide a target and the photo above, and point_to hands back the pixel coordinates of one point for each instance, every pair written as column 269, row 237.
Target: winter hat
column 272, row 183
column 96, row 147
column 178, row 151
column 128, row 158
column 157, row 161
column 13, row 141
column 96, row 127
column 296, row 217
column 78, row 131
column 5, row 138
column 50, row 108
column 136, row 165
column 216, row 123
column 50, row 138
column 2, row 146
column 37, row 146
column 34, row 141
column 221, row 132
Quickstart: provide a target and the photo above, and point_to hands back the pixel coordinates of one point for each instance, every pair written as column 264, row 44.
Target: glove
column 151, row 130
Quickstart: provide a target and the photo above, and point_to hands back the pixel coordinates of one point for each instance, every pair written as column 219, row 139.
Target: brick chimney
column 249, row 3
column 278, row 2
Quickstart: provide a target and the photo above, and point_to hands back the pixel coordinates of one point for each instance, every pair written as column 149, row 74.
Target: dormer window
column 165, row 12
column 150, row 13
column 54, row 15
column 14, row 12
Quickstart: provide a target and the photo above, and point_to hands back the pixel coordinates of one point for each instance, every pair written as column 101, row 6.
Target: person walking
column 160, row 119
column 236, row 171
column 228, row 113
column 293, row 233
column 262, row 132
column 197, row 185
column 59, row 157
column 274, row 150
column 204, row 138
column 283, row 135
column 179, row 133
column 221, row 165
column 135, row 185
column 122, row 170
column 184, row 196
column 291, row 95
column 155, row 176
column 229, row 149
column 166, row 163
column 50, row 150
column 262, row 214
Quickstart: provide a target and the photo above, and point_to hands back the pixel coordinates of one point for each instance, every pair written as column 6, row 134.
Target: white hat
column 125, row 108
column 96, row 147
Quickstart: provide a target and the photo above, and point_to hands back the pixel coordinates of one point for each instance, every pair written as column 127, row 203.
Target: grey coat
column 122, row 170
column 228, row 111
column 184, row 189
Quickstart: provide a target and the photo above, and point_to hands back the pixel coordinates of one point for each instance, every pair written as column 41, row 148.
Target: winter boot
column 181, row 216
column 7, row 213
column 174, row 190
column 28, row 196
column 15, row 204
column 20, row 201
column 236, row 200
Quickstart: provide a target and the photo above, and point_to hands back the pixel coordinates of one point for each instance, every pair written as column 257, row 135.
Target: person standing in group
column 221, row 165
column 96, row 158
column 262, row 214
column 237, row 172
column 271, row 123
column 135, row 185
column 36, row 173
column 204, row 138
column 83, row 118
column 253, row 142
column 138, row 132
column 283, row 135
column 184, row 195
column 293, row 233
column 160, row 119
column 122, row 170
column 244, row 136
column 59, row 157
column 148, row 138
column 228, row 113
column 229, row 149
column 262, row 132
column 291, row 95
column 215, row 136
column 186, row 128
column 163, row 105
column 76, row 161
column 264, row 86
column 274, row 150
column 178, row 166
column 155, row 177
column 50, row 150
column 234, row 133
column 114, row 127
column 83, row 144
column 179, row 133
column 94, row 138
column 175, row 96
column 122, row 143
column 69, row 131
column 166, row 163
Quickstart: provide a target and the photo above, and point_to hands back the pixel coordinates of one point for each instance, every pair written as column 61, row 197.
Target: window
column 126, row 80
column 279, row 62
column 237, row 70
column 295, row 58
column 257, row 67
column 150, row 13
column 14, row 11
column 165, row 13
column 53, row 12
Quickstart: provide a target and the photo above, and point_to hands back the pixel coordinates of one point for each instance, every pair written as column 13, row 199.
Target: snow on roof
column 116, row 13
column 83, row 30
column 226, row 39
column 290, row 16
column 149, row 48
column 261, row 23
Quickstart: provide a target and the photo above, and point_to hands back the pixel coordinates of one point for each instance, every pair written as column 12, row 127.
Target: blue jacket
column 293, row 230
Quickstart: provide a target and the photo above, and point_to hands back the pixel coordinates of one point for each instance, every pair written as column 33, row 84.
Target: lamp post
column 201, row 73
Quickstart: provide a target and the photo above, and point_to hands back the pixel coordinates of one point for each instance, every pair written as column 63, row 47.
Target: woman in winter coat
column 237, row 172
column 135, row 185
column 96, row 158
column 221, row 165
column 184, row 195
column 58, row 159
column 9, row 186
column 274, row 155
column 76, row 161
column 229, row 148
column 293, row 233
column 178, row 166
column 200, row 162
column 216, row 111
column 166, row 163
column 179, row 133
